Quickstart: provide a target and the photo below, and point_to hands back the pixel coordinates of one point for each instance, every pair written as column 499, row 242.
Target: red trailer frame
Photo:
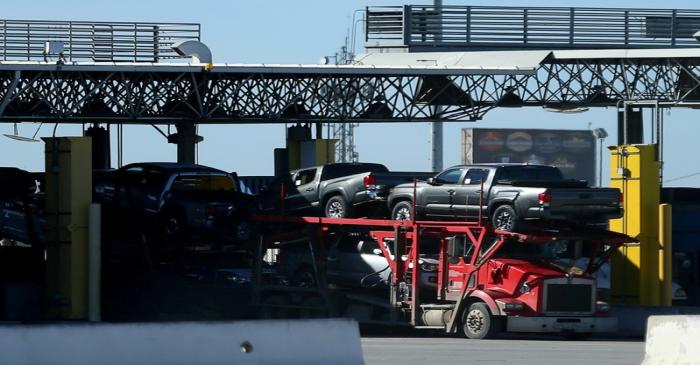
column 404, row 258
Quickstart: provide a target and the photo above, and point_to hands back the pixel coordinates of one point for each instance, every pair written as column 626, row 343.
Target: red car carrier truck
column 483, row 281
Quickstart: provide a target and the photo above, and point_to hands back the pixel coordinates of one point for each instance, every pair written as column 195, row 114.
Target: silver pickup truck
column 507, row 195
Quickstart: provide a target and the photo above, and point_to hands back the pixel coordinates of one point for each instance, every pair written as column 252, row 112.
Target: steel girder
column 131, row 96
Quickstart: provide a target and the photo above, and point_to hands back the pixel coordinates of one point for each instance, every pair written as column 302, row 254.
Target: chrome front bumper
column 562, row 324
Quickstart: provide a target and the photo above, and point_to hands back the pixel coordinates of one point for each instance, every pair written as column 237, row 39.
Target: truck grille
column 568, row 298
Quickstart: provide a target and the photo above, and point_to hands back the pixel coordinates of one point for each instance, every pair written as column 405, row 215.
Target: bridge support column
column 101, row 157
column 186, row 140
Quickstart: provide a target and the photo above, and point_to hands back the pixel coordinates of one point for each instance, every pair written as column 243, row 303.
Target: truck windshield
column 340, row 170
column 567, row 254
column 529, row 173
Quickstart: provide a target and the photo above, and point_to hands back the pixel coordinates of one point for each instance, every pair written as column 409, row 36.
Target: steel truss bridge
column 171, row 94
column 111, row 72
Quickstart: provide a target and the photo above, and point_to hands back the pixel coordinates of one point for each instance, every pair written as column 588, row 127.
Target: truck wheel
column 336, row 207
column 304, row 277
column 173, row 224
column 402, row 211
column 478, row 322
column 505, row 218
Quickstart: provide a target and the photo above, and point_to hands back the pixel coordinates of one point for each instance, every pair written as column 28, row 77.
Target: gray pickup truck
column 337, row 190
column 508, row 195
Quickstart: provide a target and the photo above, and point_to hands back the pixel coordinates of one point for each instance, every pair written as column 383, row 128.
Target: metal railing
column 24, row 40
column 489, row 27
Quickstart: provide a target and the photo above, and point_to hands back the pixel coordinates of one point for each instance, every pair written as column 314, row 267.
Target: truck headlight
column 513, row 306
column 602, row 307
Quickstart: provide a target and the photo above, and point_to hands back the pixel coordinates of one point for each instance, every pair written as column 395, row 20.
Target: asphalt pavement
column 522, row 350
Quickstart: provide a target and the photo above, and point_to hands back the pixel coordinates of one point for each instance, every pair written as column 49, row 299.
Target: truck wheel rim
column 475, row 321
column 172, row 226
column 335, row 210
column 402, row 214
column 504, row 220
column 243, row 231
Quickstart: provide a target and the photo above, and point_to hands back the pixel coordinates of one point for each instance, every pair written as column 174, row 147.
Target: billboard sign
column 573, row 151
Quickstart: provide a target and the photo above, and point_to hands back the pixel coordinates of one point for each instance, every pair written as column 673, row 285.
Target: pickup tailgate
column 584, row 201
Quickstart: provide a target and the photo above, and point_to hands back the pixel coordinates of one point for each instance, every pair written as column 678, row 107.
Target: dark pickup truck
column 511, row 194
column 338, row 190
column 21, row 208
column 178, row 200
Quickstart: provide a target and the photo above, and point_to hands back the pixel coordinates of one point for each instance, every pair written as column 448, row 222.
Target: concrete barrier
column 246, row 342
column 672, row 340
column 632, row 319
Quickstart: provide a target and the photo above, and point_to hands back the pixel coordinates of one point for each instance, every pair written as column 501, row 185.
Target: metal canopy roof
column 408, row 64
column 393, row 88
column 372, row 65
column 478, row 62
column 660, row 53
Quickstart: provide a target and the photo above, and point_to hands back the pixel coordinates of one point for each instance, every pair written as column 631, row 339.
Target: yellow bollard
column 665, row 254
column 635, row 267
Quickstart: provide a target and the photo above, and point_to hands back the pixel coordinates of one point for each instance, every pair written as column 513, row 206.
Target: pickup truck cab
column 507, row 195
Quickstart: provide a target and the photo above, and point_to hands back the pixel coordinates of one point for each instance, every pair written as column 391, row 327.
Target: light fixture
column 199, row 51
column 599, row 133
column 16, row 136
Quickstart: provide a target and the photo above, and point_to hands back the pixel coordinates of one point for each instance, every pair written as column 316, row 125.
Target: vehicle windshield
column 529, row 173
column 536, row 251
column 570, row 255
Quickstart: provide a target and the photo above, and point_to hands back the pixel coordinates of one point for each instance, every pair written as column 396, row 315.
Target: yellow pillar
column 665, row 254
column 634, row 170
column 68, row 196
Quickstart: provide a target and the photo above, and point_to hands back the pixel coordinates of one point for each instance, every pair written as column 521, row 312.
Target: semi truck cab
column 531, row 285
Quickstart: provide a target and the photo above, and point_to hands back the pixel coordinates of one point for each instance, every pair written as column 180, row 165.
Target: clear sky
column 283, row 31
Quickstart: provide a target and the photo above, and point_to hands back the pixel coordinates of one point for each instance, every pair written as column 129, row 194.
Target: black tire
column 304, row 277
column 402, row 211
column 337, row 207
column 505, row 218
column 245, row 231
column 478, row 322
